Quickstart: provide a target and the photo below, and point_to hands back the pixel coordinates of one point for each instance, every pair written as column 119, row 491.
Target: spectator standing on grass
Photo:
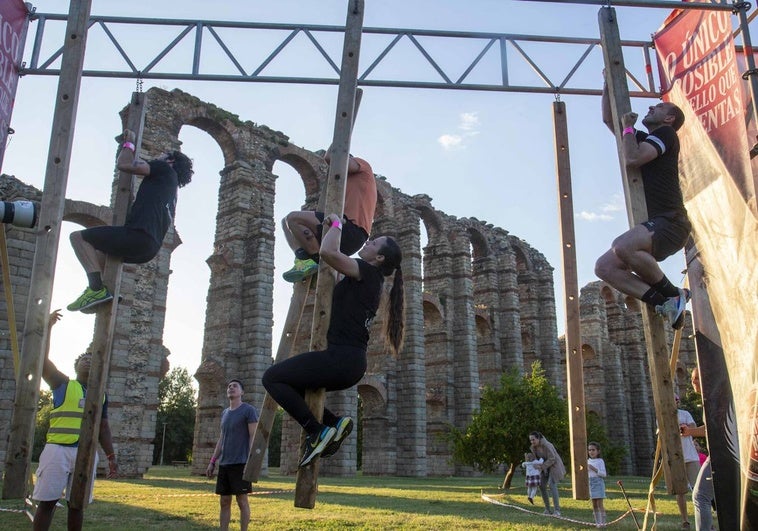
column 58, row 459
column 551, row 470
column 238, row 424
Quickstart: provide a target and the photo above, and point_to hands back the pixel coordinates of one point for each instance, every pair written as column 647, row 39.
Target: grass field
column 169, row 498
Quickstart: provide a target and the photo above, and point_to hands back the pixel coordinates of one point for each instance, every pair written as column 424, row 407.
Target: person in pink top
column 303, row 228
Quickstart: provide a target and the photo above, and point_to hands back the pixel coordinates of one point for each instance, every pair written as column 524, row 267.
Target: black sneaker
column 315, row 445
column 344, row 427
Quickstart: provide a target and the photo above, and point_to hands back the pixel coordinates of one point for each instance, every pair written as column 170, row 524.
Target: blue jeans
column 544, row 482
column 702, row 496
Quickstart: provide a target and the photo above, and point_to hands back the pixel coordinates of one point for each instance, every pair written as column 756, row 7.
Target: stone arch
column 376, row 419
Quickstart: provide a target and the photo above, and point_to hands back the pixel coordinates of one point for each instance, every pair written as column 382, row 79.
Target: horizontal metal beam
column 660, row 4
column 506, row 51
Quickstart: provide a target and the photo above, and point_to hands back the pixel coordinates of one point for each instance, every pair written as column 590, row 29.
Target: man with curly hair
column 141, row 237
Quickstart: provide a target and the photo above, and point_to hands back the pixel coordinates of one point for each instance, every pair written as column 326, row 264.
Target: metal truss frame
column 513, row 48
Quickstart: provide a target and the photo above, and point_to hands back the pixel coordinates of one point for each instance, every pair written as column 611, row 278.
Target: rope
column 9, row 301
column 196, row 495
column 493, row 501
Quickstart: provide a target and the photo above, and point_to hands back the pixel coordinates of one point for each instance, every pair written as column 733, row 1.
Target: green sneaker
column 302, row 269
column 90, row 298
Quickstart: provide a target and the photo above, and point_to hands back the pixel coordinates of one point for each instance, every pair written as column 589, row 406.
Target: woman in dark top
column 355, row 301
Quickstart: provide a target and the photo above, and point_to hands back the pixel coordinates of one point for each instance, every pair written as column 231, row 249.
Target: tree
column 42, row 423
column 499, row 431
column 176, row 409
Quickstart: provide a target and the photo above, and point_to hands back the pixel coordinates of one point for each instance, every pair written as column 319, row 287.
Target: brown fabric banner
column 699, row 72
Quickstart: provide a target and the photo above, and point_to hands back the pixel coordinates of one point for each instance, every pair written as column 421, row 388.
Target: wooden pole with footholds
column 307, row 476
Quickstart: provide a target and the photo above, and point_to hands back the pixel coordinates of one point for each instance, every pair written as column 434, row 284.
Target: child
column 532, row 475
column 596, row 467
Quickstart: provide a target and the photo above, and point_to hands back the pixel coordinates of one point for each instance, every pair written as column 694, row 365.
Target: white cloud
column 606, row 212
column 592, row 216
column 469, row 121
column 468, row 124
column 449, row 142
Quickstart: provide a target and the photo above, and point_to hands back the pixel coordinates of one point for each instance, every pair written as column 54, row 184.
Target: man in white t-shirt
column 691, row 460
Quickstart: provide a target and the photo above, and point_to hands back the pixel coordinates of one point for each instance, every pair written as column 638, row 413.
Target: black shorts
column 353, row 236
column 229, row 480
column 132, row 245
column 670, row 233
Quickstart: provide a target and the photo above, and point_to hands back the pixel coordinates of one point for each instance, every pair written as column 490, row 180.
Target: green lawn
column 169, row 498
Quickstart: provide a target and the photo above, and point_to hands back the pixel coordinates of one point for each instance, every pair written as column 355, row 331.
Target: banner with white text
column 699, row 73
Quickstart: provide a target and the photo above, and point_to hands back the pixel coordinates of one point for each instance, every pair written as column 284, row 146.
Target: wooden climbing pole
column 104, row 326
column 655, row 337
column 307, row 477
column 574, row 361
column 19, row 452
column 268, row 410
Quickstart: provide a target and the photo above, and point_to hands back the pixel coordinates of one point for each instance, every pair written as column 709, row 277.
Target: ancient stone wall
column 478, row 301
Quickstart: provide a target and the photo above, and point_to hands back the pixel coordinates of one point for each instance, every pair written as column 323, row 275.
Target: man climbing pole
column 631, row 264
column 141, row 237
column 303, row 228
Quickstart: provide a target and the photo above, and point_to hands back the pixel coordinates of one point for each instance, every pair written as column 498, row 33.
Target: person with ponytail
column 355, row 301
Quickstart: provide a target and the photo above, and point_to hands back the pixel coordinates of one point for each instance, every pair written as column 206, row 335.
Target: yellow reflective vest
column 66, row 419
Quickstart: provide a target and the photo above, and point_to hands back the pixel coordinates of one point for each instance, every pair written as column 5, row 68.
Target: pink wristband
column 129, row 145
column 213, row 460
column 627, row 131
column 337, row 223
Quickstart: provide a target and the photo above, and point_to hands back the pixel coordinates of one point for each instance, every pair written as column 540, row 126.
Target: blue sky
column 477, row 154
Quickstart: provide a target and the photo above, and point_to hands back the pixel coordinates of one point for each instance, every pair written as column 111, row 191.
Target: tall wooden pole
column 655, row 337
column 307, row 477
column 268, row 410
column 574, row 362
column 104, row 326
column 19, row 453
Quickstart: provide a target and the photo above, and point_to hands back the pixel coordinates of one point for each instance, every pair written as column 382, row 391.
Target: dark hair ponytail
column 395, row 322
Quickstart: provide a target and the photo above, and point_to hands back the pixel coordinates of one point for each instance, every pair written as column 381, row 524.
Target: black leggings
column 336, row 368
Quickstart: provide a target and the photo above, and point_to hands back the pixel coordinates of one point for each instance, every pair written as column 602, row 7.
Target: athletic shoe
column 94, row 309
column 344, row 427
column 673, row 309
column 315, row 445
column 90, row 298
column 547, row 511
column 531, row 500
column 302, row 269
column 557, row 513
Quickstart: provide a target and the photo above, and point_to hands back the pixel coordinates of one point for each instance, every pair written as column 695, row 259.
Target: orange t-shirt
column 360, row 196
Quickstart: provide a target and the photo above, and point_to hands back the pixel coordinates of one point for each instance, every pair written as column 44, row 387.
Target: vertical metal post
column 655, row 336
column 163, row 442
column 18, row 456
column 574, row 361
column 307, row 477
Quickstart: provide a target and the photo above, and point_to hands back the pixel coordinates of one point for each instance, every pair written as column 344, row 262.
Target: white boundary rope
column 489, row 499
column 196, row 495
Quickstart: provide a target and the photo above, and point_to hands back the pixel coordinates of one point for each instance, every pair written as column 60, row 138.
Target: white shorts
column 56, row 473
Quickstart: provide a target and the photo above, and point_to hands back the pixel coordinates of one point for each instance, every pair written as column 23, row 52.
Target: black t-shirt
column 154, row 208
column 354, row 305
column 660, row 176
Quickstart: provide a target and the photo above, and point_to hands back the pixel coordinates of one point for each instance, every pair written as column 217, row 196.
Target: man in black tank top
column 150, row 217
column 631, row 264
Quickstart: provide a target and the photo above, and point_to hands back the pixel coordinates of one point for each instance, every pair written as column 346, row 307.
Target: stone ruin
column 479, row 301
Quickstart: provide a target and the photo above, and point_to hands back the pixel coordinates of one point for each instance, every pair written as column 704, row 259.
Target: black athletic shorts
column 670, row 233
column 134, row 246
column 229, row 480
column 353, row 236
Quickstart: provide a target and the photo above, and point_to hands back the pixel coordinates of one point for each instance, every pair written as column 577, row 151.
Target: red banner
column 696, row 51
column 13, row 23
column 699, row 72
